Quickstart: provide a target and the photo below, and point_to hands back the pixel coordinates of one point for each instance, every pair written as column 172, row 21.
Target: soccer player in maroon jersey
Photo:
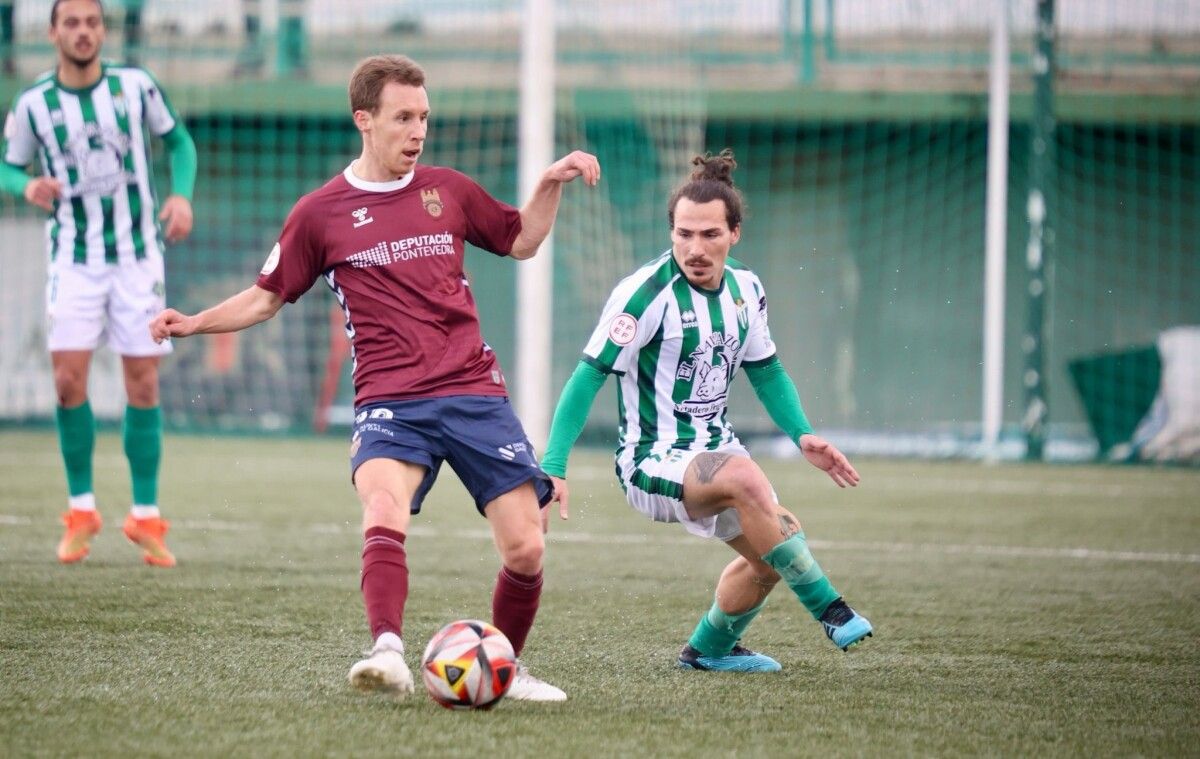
column 388, row 235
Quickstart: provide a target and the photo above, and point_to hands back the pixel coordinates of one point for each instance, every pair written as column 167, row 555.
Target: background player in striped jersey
column 86, row 121
column 675, row 332
column 389, row 238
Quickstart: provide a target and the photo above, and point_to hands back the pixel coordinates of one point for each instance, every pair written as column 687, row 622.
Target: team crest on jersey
column 432, row 201
column 743, row 313
column 709, row 370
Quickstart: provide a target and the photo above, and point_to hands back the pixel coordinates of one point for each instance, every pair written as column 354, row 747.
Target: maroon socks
column 385, row 580
column 515, row 604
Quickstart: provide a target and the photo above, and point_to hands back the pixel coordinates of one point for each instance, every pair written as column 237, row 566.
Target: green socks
column 796, row 565
column 142, row 436
column 718, row 632
column 77, row 439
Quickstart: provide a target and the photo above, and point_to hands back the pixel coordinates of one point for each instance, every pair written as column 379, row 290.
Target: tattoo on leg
column 788, row 525
column 707, row 465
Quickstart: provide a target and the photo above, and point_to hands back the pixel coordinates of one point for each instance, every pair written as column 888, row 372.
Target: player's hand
column 177, row 214
column 824, row 456
column 575, row 164
column 43, row 191
column 171, row 323
column 561, row 495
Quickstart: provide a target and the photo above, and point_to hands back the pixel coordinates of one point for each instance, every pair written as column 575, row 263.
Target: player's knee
column 70, row 385
column 380, row 507
column 142, row 389
column 748, row 486
column 142, row 395
column 524, row 555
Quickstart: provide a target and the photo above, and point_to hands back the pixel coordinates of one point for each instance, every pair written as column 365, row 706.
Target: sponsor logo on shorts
column 510, row 451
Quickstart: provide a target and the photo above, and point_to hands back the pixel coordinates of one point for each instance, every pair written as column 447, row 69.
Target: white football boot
column 384, row 669
column 526, row 687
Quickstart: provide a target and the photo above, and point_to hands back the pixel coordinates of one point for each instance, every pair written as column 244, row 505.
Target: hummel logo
column 361, row 215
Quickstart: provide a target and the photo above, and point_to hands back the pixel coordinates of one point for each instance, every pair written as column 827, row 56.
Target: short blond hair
column 371, row 74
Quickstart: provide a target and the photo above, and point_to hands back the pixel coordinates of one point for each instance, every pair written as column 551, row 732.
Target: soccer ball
column 468, row 664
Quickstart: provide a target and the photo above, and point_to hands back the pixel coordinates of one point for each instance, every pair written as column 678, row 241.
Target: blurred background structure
column 861, row 129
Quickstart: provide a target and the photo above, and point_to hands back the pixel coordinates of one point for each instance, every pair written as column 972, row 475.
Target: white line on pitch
column 968, row 549
column 334, row 528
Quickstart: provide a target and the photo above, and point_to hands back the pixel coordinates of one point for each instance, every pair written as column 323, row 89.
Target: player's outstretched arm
column 569, row 417
column 825, row 456
column 247, row 308
column 537, row 216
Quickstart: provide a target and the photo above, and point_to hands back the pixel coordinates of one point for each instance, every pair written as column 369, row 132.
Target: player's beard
column 77, row 61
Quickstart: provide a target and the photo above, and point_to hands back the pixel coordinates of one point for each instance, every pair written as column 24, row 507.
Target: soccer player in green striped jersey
column 674, row 333
column 86, row 122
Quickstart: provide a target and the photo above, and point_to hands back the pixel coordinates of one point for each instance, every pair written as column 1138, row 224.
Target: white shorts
column 654, row 487
column 84, row 304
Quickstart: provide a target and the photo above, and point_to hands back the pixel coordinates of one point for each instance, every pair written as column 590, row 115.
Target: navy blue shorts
column 478, row 435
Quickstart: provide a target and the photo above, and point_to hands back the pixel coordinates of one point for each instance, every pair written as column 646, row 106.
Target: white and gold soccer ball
column 468, row 664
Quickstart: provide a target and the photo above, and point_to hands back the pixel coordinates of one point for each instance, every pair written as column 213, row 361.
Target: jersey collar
column 395, row 184
column 81, row 90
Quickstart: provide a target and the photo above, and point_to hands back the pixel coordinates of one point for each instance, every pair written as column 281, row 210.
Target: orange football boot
column 82, row 526
column 148, row 534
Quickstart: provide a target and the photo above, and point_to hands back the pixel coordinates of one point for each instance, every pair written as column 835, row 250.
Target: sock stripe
column 527, row 582
column 380, row 540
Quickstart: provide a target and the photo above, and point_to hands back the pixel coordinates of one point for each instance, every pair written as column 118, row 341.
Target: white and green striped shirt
column 94, row 142
column 676, row 349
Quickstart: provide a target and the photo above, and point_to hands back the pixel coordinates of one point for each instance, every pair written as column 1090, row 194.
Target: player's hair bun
column 718, row 168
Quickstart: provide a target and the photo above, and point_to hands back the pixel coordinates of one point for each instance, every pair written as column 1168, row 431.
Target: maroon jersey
column 392, row 252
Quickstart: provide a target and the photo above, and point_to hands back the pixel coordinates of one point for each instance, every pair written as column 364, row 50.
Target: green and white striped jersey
column 94, row 142
column 676, row 349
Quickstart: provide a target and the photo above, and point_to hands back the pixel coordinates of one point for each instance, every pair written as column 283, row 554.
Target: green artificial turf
column 1019, row 610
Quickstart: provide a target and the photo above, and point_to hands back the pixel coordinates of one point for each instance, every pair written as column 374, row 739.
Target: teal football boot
column 738, row 660
column 844, row 626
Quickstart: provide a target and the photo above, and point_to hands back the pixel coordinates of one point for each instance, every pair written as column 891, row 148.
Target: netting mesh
column 860, row 130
